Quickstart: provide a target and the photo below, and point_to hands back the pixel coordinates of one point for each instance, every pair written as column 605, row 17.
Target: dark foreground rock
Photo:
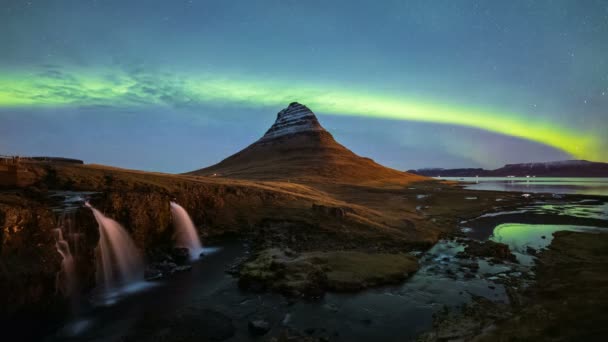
column 258, row 327
column 496, row 251
column 311, row 274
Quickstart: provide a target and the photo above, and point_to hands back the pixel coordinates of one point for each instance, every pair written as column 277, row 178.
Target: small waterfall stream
column 185, row 232
column 65, row 281
column 119, row 263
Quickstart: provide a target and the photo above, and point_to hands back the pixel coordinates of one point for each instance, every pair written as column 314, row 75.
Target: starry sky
column 177, row 85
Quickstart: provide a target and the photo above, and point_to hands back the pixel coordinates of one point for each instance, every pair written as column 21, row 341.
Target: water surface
column 553, row 185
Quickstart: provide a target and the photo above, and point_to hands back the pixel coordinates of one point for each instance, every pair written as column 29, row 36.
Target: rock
column 258, row 327
column 166, row 267
column 152, row 273
column 472, row 266
column 531, row 250
column 468, row 275
column 498, row 252
column 286, row 320
column 336, row 212
column 180, row 255
column 182, row 268
column 311, row 274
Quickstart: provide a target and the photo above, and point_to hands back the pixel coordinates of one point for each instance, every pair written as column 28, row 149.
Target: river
column 553, row 185
column 207, row 304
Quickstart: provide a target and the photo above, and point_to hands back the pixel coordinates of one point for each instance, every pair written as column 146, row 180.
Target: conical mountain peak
column 298, row 148
column 296, row 118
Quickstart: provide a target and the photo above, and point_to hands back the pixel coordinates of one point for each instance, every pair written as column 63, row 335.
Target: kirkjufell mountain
column 297, row 147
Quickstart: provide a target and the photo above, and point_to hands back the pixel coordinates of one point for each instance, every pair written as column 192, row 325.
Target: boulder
column 310, row 274
column 181, row 255
column 498, row 252
column 258, row 327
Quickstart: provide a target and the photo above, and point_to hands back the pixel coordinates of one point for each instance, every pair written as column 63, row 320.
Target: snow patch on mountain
column 296, row 118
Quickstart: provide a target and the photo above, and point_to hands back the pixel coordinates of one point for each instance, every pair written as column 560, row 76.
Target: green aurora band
column 119, row 88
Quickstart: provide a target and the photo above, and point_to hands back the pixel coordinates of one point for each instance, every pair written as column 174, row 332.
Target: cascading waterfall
column 119, row 263
column 185, row 232
column 65, row 281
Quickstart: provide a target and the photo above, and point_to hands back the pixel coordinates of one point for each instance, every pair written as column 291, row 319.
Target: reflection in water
column 583, row 186
column 521, row 236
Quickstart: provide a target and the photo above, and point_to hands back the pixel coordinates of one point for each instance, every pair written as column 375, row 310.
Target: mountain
column 564, row 168
column 297, row 147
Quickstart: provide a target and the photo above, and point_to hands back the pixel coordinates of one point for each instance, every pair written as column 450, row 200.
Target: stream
column 205, row 303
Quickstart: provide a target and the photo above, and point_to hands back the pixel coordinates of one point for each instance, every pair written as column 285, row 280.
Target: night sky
column 177, row 85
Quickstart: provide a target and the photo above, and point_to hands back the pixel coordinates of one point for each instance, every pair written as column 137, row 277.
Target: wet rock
column 286, row 320
column 311, row 274
column 163, row 269
column 472, row 266
column 531, row 250
column 166, row 267
column 258, row 327
column 152, row 273
column 498, row 252
column 182, row 268
column 180, row 255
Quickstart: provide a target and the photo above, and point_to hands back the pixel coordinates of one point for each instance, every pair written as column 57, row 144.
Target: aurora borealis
column 410, row 84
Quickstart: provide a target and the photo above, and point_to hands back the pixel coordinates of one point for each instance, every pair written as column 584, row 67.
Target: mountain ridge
column 561, row 168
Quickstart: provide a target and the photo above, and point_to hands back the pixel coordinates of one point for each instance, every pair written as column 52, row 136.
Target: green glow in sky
column 122, row 89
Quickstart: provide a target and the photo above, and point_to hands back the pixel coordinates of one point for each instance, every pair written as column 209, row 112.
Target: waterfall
column 185, row 232
column 67, row 242
column 65, row 281
column 119, row 263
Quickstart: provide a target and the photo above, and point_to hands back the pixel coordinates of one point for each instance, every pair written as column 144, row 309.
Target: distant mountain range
column 565, row 168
